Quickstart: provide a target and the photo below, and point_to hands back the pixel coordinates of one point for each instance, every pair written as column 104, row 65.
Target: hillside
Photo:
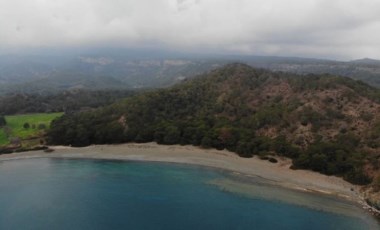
column 324, row 123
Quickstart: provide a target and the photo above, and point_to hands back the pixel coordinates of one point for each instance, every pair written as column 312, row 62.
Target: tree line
column 67, row 101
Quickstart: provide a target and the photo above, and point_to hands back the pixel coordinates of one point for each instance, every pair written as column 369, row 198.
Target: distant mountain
column 366, row 70
column 61, row 81
column 325, row 123
column 368, row 61
column 39, row 73
column 147, row 73
column 16, row 69
column 45, row 74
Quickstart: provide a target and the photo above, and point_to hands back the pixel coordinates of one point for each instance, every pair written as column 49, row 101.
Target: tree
column 172, row 135
column 318, row 162
column 3, row 122
column 26, row 125
column 206, row 142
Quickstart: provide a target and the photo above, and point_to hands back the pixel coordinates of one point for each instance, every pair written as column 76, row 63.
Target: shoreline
column 276, row 173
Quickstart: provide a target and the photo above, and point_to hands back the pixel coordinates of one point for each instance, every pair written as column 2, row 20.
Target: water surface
column 98, row 194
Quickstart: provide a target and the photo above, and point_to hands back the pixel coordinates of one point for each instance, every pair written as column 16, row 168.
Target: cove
column 48, row 193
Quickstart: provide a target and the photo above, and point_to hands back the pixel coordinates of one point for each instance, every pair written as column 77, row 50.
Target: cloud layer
column 314, row 28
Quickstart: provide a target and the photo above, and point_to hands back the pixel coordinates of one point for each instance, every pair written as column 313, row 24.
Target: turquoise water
column 94, row 194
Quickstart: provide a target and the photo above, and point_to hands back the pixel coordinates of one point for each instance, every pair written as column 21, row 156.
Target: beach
column 277, row 173
column 104, row 182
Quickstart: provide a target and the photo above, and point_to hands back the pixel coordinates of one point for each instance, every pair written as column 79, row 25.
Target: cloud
column 316, row 28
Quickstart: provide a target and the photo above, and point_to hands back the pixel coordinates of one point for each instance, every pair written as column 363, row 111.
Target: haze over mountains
column 47, row 73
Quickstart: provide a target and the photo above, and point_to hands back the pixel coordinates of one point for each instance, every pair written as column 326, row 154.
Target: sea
column 59, row 193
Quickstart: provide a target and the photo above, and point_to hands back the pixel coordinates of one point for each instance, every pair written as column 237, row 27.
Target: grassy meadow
column 3, row 138
column 38, row 123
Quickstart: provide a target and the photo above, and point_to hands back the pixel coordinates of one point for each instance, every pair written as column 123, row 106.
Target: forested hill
column 325, row 123
column 64, row 101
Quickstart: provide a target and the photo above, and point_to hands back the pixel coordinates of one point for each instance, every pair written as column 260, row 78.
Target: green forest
column 65, row 101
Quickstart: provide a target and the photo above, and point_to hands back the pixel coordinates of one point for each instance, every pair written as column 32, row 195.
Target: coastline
column 277, row 173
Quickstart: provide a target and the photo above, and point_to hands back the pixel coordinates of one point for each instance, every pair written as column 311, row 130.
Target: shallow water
column 94, row 194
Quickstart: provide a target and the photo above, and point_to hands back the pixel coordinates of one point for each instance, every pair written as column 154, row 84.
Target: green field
column 38, row 123
column 3, row 138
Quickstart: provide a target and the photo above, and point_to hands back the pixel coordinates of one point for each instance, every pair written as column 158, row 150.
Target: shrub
column 272, row 160
column 3, row 122
column 26, row 125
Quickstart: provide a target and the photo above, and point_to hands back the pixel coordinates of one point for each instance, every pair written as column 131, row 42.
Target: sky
column 333, row 29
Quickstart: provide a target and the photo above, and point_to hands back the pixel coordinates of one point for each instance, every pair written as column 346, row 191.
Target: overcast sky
column 337, row 29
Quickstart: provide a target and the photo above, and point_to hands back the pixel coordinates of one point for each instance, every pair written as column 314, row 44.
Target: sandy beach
column 278, row 173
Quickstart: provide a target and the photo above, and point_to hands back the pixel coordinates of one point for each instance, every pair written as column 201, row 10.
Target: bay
column 102, row 194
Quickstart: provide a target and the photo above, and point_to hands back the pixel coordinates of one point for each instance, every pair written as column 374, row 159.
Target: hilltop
column 324, row 123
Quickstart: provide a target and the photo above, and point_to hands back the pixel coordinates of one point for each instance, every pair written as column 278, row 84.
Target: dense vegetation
column 3, row 122
column 70, row 100
column 324, row 123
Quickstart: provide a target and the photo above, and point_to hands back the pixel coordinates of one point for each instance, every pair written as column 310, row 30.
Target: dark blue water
column 90, row 194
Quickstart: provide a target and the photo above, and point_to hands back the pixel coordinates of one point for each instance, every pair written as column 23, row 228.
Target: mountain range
column 113, row 70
